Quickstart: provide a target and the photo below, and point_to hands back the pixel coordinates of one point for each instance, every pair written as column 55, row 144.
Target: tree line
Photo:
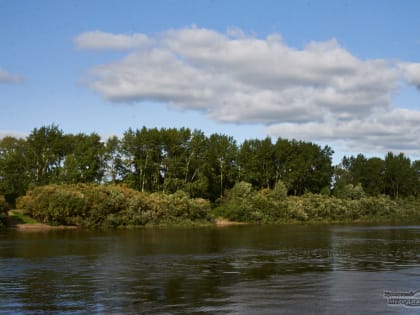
column 169, row 160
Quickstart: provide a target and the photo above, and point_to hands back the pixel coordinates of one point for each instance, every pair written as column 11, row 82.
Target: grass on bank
column 19, row 216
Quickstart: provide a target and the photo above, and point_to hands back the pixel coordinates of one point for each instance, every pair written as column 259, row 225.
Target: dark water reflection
column 238, row 270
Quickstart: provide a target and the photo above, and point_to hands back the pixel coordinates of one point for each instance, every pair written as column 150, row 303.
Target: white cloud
column 395, row 130
column 6, row 77
column 412, row 73
column 320, row 92
column 97, row 40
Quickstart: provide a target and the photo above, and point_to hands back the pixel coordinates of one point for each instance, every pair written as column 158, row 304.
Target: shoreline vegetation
column 180, row 177
column 87, row 206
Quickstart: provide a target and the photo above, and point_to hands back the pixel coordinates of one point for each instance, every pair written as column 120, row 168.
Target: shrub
column 350, row 192
column 241, row 190
column 4, row 208
column 140, row 210
column 279, row 192
column 111, row 205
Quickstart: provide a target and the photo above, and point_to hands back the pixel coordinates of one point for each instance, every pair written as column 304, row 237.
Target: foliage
column 14, row 179
column 256, row 161
column 168, row 160
column 46, row 149
column 395, row 176
column 96, row 205
column 279, row 192
column 303, row 166
column 220, row 167
column 4, row 208
column 243, row 204
column 350, row 191
column 85, row 161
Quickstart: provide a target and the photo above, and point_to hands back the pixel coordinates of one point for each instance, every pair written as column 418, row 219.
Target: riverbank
column 40, row 227
column 21, row 221
column 113, row 206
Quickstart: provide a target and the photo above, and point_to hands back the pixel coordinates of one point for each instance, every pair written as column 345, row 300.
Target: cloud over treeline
column 321, row 92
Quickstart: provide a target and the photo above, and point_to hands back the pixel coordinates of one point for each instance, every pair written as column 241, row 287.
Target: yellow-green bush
column 244, row 204
column 110, row 205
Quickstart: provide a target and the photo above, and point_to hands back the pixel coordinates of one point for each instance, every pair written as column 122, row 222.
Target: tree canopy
column 169, row 160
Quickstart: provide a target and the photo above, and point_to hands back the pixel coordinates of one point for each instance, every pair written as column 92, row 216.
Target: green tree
column 46, row 150
column 303, row 166
column 256, row 163
column 175, row 145
column 341, row 178
column 372, row 179
column 400, row 178
column 220, row 162
column 14, row 177
column 356, row 166
column 113, row 160
column 196, row 183
column 142, row 150
column 367, row 172
column 85, row 162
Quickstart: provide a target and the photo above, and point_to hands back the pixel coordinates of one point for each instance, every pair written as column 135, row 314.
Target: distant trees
column 170, row 160
column 303, row 166
column 395, row 175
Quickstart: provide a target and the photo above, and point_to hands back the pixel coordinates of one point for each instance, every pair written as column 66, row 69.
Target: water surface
column 286, row 269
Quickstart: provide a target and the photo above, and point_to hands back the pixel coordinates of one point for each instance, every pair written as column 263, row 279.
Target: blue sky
column 342, row 73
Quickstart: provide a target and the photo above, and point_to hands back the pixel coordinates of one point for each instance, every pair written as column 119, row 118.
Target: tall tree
column 303, row 166
column 400, row 178
column 14, row 178
column 220, row 161
column 85, row 162
column 143, row 151
column 256, row 163
column 372, row 179
column 174, row 150
column 46, row 152
column 196, row 183
column 113, row 160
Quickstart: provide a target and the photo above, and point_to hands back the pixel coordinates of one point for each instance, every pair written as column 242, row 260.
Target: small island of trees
column 179, row 176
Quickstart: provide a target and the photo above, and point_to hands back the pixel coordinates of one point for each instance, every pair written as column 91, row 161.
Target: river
column 283, row 269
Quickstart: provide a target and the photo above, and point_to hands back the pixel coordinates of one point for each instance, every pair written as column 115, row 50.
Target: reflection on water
column 243, row 269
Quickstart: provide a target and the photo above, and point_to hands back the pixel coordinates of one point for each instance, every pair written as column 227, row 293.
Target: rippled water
column 237, row 270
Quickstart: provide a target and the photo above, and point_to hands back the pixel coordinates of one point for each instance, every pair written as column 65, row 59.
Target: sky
column 339, row 73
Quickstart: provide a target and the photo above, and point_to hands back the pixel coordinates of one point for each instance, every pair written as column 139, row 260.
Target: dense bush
column 110, row 205
column 244, row 204
column 159, row 208
column 96, row 205
column 4, row 208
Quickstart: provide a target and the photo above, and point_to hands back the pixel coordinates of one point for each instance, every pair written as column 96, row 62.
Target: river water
column 284, row 269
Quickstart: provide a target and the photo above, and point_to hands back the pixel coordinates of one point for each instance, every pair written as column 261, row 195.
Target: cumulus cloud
column 396, row 130
column 412, row 73
column 97, row 40
column 320, row 92
column 6, row 77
